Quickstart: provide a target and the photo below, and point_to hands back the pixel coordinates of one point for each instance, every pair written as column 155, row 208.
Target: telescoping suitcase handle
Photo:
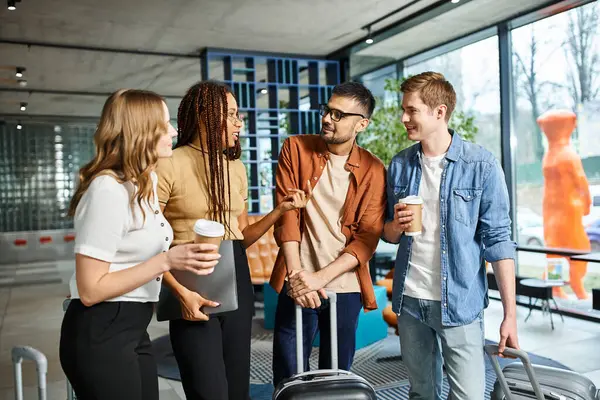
column 334, row 338
column 492, row 350
column 20, row 353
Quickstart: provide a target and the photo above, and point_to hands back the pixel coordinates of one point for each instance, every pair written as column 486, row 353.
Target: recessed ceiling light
column 454, row 1
column 264, row 91
column 369, row 41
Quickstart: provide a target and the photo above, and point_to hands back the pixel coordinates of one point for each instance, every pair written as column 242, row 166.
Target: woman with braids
column 206, row 179
column 121, row 253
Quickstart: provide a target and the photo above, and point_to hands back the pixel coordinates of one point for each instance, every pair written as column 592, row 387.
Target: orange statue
column 566, row 195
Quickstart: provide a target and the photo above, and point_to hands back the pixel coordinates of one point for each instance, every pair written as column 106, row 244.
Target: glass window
column 477, row 86
column 39, row 172
column 556, row 145
column 375, row 81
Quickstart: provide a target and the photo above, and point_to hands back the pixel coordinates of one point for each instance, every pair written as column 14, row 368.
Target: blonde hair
column 434, row 90
column 126, row 141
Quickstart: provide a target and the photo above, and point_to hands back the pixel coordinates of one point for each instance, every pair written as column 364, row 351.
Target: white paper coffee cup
column 209, row 232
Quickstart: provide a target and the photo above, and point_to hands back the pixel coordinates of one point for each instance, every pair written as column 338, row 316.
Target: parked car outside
column 593, row 232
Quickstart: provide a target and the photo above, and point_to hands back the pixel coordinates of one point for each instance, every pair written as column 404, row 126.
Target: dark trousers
column 284, row 340
column 106, row 353
column 214, row 356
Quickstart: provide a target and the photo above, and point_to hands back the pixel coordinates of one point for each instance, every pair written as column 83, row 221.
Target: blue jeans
column 284, row 340
column 425, row 343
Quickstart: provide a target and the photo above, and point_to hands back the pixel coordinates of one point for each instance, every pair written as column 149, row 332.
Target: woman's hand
column 198, row 258
column 295, row 199
column 191, row 306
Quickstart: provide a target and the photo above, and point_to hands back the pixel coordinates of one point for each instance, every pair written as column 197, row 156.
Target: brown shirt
column 303, row 158
column 182, row 188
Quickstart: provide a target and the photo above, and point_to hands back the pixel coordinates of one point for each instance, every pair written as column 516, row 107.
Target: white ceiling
column 461, row 20
column 311, row 27
column 316, row 27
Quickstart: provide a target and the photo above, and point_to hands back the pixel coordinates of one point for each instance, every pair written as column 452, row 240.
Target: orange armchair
column 388, row 315
column 261, row 255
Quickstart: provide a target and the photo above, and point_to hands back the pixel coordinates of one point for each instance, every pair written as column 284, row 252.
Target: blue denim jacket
column 474, row 223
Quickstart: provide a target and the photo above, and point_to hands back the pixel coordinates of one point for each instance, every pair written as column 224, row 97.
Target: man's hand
column 309, row 300
column 393, row 230
column 402, row 217
column 191, row 305
column 304, row 282
column 508, row 334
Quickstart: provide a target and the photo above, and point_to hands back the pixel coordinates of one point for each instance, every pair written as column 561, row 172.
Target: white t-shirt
column 106, row 229
column 424, row 271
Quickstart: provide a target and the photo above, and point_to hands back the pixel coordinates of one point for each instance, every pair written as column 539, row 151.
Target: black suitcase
column 526, row 381
column 333, row 384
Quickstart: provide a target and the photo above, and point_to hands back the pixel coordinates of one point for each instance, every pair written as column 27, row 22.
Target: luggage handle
column 492, row 350
column 333, row 327
column 318, row 374
column 19, row 353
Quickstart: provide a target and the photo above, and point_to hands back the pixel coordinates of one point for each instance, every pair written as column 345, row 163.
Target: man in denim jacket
column 440, row 287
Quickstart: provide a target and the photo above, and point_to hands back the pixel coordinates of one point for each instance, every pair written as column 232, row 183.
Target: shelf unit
column 278, row 96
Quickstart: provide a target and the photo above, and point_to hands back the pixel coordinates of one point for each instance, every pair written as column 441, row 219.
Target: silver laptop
column 219, row 286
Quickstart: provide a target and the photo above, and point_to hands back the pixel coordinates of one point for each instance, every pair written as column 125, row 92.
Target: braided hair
column 206, row 103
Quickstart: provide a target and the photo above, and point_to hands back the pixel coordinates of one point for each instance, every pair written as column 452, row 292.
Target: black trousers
column 106, row 353
column 214, row 356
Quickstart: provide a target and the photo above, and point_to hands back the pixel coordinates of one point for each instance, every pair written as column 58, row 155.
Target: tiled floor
column 31, row 315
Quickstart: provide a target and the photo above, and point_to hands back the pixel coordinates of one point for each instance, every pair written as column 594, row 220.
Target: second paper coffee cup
column 414, row 204
column 209, row 232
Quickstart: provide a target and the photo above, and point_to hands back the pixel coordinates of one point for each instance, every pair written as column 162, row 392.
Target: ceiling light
column 369, row 39
column 264, row 91
column 11, row 5
column 19, row 126
column 22, row 82
column 454, row 1
column 23, row 106
column 20, row 72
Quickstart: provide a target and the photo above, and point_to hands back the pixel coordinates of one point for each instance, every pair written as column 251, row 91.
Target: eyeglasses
column 235, row 118
column 336, row 115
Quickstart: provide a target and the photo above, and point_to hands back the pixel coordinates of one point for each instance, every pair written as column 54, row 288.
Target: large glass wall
column 556, row 145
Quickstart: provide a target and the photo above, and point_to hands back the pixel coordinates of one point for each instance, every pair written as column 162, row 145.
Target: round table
column 543, row 284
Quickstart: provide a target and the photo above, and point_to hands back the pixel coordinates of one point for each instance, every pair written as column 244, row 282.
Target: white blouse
column 106, row 229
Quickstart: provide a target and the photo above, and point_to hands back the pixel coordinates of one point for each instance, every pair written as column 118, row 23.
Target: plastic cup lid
column 209, row 228
column 411, row 200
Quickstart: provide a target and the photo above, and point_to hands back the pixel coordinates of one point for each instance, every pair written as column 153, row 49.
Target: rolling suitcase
column 526, row 381
column 20, row 353
column 322, row 384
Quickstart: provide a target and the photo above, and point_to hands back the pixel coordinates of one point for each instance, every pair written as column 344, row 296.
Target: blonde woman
column 122, row 250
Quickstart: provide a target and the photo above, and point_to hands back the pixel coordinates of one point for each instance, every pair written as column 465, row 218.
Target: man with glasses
column 328, row 244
